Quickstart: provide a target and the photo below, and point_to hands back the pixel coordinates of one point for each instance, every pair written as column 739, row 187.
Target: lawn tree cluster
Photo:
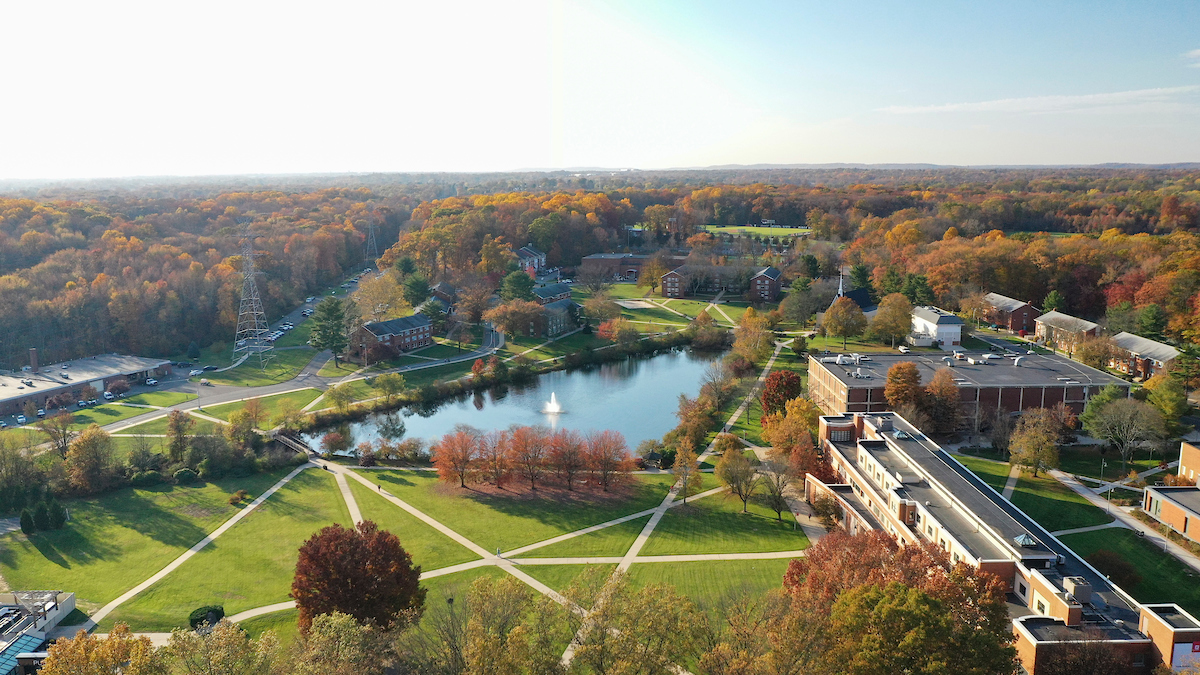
column 532, row 454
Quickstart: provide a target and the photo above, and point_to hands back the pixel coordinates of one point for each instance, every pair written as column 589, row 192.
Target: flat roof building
column 986, row 381
column 894, row 479
column 39, row 383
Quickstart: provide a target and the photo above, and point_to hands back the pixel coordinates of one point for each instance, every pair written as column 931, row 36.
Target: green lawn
column 340, row 369
column 1164, row 579
column 442, row 351
column 760, row 231
column 296, row 337
column 623, row 291
column 749, row 424
column 692, row 308
column 710, row 584
column 272, row 405
column 283, row 623
column 287, row 364
column 123, row 445
column 162, row 399
column 424, row 376
column 219, row 354
column 559, row 577
column 159, row 426
column 1054, row 505
column 1084, row 460
column 1044, row 499
column 439, row 589
column 251, row 565
column 429, row 548
column 655, row 314
column 115, row 541
column 105, row 414
column 511, row 522
column 610, row 541
column 716, row 525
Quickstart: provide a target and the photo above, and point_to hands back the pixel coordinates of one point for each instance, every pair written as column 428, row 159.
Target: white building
column 931, row 323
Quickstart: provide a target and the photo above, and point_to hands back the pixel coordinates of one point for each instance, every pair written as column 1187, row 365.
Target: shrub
column 299, row 458
column 668, row 459
column 1120, row 570
column 238, row 497
column 58, row 515
column 208, row 613
column 27, row 525
column 185, row 476
column 367, row 458
column 145, row 478
column 41, row 516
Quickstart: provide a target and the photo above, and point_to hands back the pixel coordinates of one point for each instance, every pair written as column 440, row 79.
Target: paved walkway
column 1093, row 528
column 1123, row 515
column 1010, row 485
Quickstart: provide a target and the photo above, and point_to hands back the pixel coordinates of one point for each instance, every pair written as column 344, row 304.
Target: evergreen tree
column 41, row 517
column 1152, row 322
column 416, row 289
column 329, row 327
column 1054, row 302
column 517, row 286
column 193, row 351
column 27, row 525
column 917, row 289
column 58, row 515
column 860, row 277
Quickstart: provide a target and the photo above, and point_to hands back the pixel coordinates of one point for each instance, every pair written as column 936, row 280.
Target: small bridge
column 288, row 440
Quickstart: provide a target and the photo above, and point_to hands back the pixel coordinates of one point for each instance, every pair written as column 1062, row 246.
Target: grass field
column 711, row 584
column 1085, row 460
column 610, row 541
column 287, row 364
column 282, row 623
column 105, row 414
column 340, row 369
column 424, row 376
column 429, row 548
column 511, row 522
column 159, row 426
column 1050, row 503
column 759, row 231
column 251, row 565
column 657, row 315
column 1164, row 579
column 296, row 337
column 716, row 525
column 272, row 405
column 115, row 541
column 162, row 399
column 559, row 577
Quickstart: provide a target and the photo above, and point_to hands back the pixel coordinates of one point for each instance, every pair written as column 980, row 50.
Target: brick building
column 1142, row 357
column 559, row 316
column 1063, row 331
column 545, row 295
column 1178, row 506
column 893, row 479
column 846, row 383
column 758, row 284
column 622, row 265
column 400, row 335
column 37, row 384
column 1189, row 462
column 1014, row 315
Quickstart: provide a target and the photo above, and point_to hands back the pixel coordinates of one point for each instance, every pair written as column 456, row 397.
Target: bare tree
column 736, row 472
column 776, row 479
column 1127, row 423
column 58, row 429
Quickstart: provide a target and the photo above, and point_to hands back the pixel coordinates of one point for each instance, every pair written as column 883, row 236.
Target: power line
column 252, row 327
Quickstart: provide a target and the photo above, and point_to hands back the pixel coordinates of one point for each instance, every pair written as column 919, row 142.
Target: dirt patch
column 194, row 511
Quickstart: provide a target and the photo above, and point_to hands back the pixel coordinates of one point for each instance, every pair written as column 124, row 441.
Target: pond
column 636, row 396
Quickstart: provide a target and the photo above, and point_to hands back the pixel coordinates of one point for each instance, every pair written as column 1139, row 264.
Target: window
column 1041, row 607
column 1139, row 660
column 1021, row 590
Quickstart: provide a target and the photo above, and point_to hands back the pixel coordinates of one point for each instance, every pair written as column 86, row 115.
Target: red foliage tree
column 568, row 456
column 780, row 387
column 494, row 456
column 456, row 455
column 363, row 572
column 530, row 446
column 608, row 457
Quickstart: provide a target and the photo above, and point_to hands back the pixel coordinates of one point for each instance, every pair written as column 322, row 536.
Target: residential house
column 399, row 335
column 1140, row 357
column 545, row 295
column 444, row 291
column 893, row 479
column 932, row 323
column 529, row 257
column 560, row 317
column 1063, row 331
column 1014, row 315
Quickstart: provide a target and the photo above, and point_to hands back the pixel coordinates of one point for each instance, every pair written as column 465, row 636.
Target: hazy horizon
column 225, row 89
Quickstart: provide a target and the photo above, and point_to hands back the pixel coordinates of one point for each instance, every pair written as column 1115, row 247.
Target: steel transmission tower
column 252, row 328
column 371, row 249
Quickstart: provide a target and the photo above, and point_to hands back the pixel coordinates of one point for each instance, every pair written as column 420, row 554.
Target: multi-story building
column 758, row 284
column 986, row 381
column 1141, row 357
column 559, row 317
column 623, row 265
column 894, row 479
column 26, row 620
column 400, row 335
column 1063, row 331
column 529, row 257
column 1189, row 462
column 1014, row 315
column 545, row 295
column 1178, row 506
column 37, row 384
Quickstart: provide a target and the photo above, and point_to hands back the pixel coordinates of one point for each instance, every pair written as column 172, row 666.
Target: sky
column 201, row 88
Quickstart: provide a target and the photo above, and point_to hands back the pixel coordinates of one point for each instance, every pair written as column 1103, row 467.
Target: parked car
column 93, row 402
column 20, row 419
column 903, row 350
column 108, row 396
column 3, row 424
column 195, row 373
column 309, row 299
column 208, row 368
column 81, row 404
column 41, row 413
column 152, row 382
column 64, row 366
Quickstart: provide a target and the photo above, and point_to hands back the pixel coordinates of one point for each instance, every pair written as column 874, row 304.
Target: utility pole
column 252, row 327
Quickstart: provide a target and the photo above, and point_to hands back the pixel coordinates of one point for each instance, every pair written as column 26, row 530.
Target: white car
column 20, row 419
column 309, row 299
column 108, row 396
column 903, row 350
column 152, row 382
column 195, row 372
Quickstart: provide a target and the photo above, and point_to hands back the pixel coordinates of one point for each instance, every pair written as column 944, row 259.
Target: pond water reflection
column 636, row 396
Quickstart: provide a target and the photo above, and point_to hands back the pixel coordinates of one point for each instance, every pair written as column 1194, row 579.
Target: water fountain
column 552, row 407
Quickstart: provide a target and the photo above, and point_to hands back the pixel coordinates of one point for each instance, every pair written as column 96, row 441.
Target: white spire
column 840, row 291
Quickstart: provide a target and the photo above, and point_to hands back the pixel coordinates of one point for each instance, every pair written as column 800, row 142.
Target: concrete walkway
column 1122, row 514
column 1093, row 528
column 1010, row 485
